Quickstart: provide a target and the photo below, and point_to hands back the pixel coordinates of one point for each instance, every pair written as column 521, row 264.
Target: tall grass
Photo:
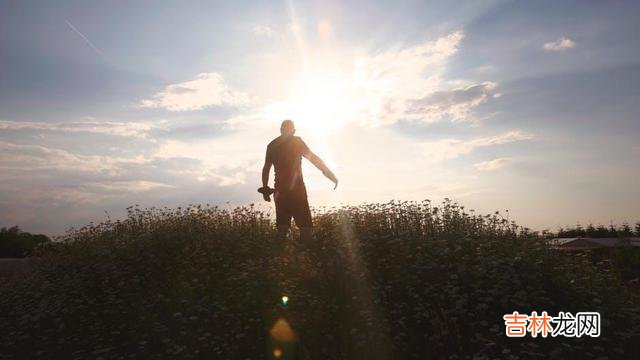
column 394, row 280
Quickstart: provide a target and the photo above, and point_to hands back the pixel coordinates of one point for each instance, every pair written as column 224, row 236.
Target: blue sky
column 526, row 106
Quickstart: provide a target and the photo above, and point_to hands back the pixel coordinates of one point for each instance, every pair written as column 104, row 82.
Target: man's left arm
column 317, row 162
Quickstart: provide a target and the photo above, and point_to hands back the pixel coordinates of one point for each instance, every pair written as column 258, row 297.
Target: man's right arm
column 266, row 169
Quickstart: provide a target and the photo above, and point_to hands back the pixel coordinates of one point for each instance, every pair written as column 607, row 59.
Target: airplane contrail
column 95, row 48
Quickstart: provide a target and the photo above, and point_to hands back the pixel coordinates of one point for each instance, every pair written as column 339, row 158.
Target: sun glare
column 319, row 101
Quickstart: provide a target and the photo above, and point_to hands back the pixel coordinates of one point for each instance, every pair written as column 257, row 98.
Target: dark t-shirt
column 285, row 152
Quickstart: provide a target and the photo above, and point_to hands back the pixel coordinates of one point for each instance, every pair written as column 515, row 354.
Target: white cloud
column 508, row 137
column 484, row 69
column 40, row 176
column 453, row 148
column 407, row 83
column 561, row 44
column 492, row 165
column 399, row 83
column 21, row 161
column 452, row 104
column 208, row 89
column 129, row 186
column 263, row 30
column 46, row 194
column 126, row 129
column 41, row 194
column 224, row 161
column 392, row 78
column 229, row 180
column 27, row 157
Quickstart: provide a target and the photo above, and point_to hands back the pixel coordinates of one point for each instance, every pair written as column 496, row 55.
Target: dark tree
column 15, row 243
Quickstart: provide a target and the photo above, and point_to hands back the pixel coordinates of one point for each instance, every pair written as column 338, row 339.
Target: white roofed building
column 587, row 243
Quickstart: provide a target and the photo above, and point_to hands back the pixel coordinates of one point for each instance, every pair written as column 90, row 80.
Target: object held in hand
column 266, row 192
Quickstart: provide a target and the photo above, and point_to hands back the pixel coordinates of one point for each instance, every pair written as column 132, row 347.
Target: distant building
column 586, row 243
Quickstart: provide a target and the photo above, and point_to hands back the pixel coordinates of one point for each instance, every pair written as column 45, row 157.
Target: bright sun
column 319, row 101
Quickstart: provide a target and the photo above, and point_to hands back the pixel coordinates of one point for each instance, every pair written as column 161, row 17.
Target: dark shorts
column 292, row 204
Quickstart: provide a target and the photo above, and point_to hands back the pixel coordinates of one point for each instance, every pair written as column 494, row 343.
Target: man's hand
column 331, row 176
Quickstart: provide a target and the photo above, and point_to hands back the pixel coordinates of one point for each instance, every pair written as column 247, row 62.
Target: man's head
column 287, row 128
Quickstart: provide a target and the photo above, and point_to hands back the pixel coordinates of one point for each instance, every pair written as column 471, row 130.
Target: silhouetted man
column 285, row 153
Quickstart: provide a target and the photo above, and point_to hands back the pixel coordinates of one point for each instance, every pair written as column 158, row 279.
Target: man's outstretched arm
column 317, row 162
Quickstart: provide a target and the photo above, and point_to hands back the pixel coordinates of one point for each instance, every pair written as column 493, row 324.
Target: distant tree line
column 600, row 231
column 15, row 243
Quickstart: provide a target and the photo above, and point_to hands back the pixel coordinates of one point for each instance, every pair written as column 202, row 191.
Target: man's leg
column 283, row 218
column 282, row 231
column 306, row 234
column 302, row 216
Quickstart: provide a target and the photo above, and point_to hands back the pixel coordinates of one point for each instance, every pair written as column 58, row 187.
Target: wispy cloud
column 128, row 186
column 453, row 148
column 453, row 104
column 492, row 165
column 125, row 129
column 484, row 69
column 35, row 196
column 208, row 89
column 21, row 161
column 263, row 30
column 27, row 158
column 86, row 39
column 561, row 44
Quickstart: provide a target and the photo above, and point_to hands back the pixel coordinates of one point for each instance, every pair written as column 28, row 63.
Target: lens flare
column 277, row 352
column 282, row 331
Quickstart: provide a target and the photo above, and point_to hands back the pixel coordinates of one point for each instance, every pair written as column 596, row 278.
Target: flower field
column 399, row 280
